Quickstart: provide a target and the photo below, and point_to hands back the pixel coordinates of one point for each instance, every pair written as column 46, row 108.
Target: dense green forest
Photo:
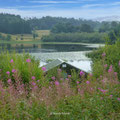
column 62, row 29
column 76, row 37
column 13, row 24
column 46, row 23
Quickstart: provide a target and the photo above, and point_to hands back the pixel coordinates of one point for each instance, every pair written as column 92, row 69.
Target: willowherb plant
column 90, row 95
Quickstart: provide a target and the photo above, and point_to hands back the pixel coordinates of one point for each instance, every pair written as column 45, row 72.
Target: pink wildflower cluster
column 53, row 78
column 87, row 82
column 11, row 61
column 28, row 60
column 13, row 70
column 110, row 69
column 104, row 54
column 33, row 77
column 8, row 72
column 119, row 63
column 43, row 68
column 82, row 73
column 57, row 83
column 103, row 91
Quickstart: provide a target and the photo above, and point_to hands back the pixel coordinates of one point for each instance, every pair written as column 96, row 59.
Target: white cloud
column 101, row 5
column 56, row 2
column 29, row 7
column 76, row 13
column 93, row 5
column 115, row 3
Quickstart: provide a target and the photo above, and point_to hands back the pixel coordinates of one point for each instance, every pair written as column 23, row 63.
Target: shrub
column 112, row 57
column 15, row 66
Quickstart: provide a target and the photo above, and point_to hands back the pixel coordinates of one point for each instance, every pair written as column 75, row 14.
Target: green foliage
column 47, row 23
column 21, row 66
column 86, row 28
column 69, row 28
column 112, row 58
column 13, row 24
column 8, row 38
column 75, row 37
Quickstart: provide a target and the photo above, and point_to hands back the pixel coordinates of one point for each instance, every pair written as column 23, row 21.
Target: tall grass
column 24, row 66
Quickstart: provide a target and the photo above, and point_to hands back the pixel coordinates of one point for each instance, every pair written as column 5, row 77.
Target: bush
column 112, row 57
column 15, row 66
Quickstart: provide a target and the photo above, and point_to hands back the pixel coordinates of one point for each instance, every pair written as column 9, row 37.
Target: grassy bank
column 27, row 37
column 39, row 42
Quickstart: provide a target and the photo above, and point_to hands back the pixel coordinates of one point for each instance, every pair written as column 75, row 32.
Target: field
column 29, row 37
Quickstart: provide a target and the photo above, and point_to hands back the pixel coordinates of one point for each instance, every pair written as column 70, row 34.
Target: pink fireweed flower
column 53, row 78
column 61, row 79
column 33, row 77
column 103, row 55
column 101, row 98
column 81, row 73
column 111, row 96
column 77, row 82
column 59, row 70
column 38, row 80
column 109, row 70
column 100, row 76
column 13, row 70
column 105, row 65
column 119, row 63
column 9, row 81
column 22, row 85
column 99, row 88
column 35, row 87
column 103, row 80
column 51, row 82
column 56, row 83
column 33, row 83
column 8, row 72
column 69, row 76
column 87, row 82
column 11, row 61
column 115, row 73
column 78, row 89
column 43, row 68
column 28, row 60
column 91, row 89
column 103, row 91
column 111, row 67
column 118, row 99
column 91, row 74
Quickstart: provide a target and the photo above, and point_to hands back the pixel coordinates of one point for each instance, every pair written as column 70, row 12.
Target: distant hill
column 108, row 18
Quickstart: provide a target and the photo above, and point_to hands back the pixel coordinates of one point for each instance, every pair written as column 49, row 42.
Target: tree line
column 14, row 24
column 76, row 37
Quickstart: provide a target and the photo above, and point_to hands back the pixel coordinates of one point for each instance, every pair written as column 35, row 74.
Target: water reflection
column 36, row 48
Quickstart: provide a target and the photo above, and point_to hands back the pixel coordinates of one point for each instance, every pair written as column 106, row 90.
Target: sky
column 87, row 9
